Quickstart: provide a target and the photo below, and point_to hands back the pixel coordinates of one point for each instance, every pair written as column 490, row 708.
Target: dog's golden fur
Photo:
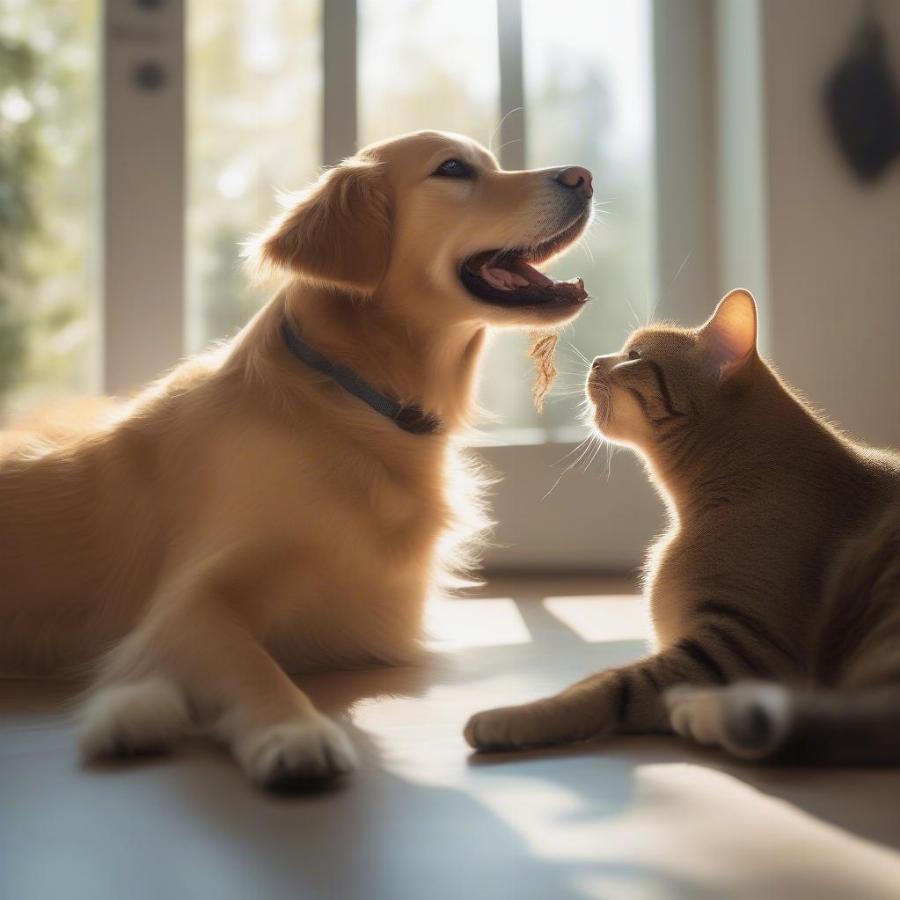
column 245, row 516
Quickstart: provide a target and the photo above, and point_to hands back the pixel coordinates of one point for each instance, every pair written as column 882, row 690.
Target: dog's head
column 430, row 221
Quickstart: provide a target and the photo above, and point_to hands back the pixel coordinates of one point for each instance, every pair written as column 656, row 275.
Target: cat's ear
column 730, row 333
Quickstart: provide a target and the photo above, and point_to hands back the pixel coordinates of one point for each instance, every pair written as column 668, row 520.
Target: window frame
column 143, row 203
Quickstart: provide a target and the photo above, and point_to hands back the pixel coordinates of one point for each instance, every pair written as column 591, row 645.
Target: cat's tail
column 764, row 721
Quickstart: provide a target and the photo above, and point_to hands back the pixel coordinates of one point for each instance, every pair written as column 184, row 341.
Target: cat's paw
column 297, row 755
column 144, row 717
column 520, row 727
column 696, row 713
column 749, row 719
column 756, row 719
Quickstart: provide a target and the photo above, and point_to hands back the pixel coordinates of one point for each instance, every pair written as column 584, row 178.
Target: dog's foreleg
column 194, row 659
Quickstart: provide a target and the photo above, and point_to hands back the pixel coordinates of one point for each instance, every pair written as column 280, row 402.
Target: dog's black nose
column 577, row 178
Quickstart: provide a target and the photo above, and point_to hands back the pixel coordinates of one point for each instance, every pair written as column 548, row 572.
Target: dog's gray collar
column 409, row 418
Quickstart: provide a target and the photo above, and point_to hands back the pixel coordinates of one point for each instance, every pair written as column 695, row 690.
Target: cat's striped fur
column 775, row 591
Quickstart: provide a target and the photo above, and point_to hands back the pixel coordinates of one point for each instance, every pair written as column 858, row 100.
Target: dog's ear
column 337, row 232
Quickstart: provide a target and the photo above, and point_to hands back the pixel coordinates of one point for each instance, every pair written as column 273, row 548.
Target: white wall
column 833, row 244
column 685, row 90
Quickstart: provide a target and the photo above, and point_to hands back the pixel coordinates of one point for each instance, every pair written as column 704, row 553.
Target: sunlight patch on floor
column 404, row 730
column 616, row 617
column 491, row 622
column 656, row 815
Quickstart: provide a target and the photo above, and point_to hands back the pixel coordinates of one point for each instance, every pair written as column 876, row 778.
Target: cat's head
column 667, row 379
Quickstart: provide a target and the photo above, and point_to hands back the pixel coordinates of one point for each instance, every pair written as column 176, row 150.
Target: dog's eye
column 634, row 354
column 453, row 168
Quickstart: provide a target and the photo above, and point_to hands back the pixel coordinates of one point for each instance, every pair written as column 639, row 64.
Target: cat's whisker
column 635, row 316
column 610, row 453
column 571, row 391
column 578, row 353
column 597, row 447
column 573, row 450
column 584, row 446
column 564, row 394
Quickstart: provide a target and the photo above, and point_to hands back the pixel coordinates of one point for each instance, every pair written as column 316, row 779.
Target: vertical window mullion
column 512, row 150
column 339, row 66
column 143, row 191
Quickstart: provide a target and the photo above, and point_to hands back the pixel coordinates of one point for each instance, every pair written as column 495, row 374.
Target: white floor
column 631, row 818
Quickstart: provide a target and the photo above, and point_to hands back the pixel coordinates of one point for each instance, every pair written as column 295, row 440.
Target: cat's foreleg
column 628, row 699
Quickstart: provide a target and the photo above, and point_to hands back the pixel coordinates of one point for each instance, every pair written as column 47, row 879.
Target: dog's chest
column 346, row 515
column 314, row 477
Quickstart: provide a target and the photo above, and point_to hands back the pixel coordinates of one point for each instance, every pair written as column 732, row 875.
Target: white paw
column 757, row 718
column 147, row 716
column 749, row 719
column 696, row 713
column 297, row 754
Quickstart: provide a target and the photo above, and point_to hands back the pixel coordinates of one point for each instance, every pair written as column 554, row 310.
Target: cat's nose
column 597, row 363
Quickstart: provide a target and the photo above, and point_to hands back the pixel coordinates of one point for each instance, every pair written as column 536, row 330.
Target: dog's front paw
column 144, row 717
column 297, row 755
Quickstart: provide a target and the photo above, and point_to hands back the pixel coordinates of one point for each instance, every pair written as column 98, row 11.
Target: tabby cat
column 775, row 591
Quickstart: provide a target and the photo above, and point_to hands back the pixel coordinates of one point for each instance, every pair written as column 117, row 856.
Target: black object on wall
column 863, row 106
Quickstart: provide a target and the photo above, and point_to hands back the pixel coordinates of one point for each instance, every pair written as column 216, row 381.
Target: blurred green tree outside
column 19, row 163
column 48, row 200
column 254, row 110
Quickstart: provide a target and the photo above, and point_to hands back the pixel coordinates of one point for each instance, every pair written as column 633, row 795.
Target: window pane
column 588, row 101
column 588, row 97
column 427, row 65
column 254, row 128
column 49, row 235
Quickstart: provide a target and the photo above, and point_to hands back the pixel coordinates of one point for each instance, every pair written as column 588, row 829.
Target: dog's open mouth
column 509, row 278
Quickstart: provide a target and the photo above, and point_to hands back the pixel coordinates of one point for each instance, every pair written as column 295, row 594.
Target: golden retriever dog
column 287, row 501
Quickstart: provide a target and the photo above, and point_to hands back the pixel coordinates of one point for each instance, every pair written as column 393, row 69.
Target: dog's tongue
column 503, row 279
column 519, row 274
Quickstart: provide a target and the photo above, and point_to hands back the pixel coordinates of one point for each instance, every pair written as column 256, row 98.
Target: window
column 588, row 100
column 427, row 65
column 254, row 88
column 49, row 210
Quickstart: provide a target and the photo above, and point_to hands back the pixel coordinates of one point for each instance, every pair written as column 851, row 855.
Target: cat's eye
column 454, row 168
column 634, row 354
